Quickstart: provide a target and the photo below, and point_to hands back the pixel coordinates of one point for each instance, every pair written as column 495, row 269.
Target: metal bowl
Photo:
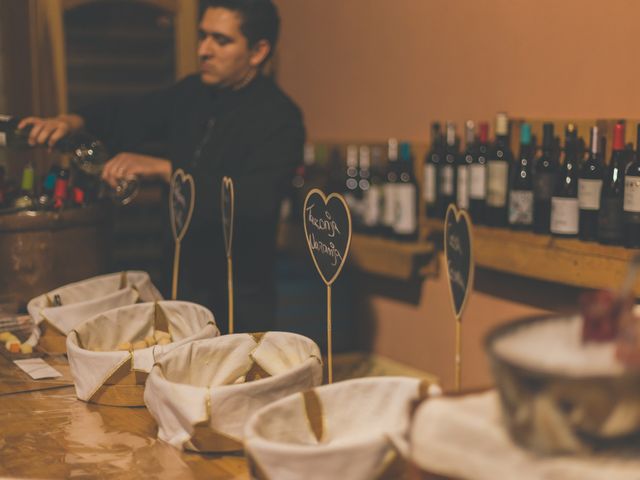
column 549, row 406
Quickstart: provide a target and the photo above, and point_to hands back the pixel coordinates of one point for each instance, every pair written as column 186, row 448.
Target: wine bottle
column 364, row 183
column 372, row 216
column 544, row 178
column 432, row 164
column 352, row 194
column 61, row 189
column 3, row 188
column 465, row 161
column 521, row 184
column 590, row 188
column 406, row 225
column 389, row 188
column 26, row 198
column 13, row 137
column 478, row 176
column 565, row 212
column 447, row 183
column 631, row 216
column 498, row 174
column 610, row 223
column 10, row 135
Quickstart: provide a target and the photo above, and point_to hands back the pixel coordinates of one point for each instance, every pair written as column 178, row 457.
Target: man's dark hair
column 260, row 19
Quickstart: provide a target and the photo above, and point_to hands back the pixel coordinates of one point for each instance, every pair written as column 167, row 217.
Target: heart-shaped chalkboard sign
column 227, row 201
column 182, row 198
column 459, row 256
column 327, row 227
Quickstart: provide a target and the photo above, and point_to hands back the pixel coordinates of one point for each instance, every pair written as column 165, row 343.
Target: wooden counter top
column 48, row 433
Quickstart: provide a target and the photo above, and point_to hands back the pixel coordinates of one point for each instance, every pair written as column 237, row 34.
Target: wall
column 377, row 68
column 370, row 69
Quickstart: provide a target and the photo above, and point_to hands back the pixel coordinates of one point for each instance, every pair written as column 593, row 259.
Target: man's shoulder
column 275, row 101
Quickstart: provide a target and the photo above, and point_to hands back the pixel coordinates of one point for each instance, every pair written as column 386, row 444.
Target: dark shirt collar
column 225, row 99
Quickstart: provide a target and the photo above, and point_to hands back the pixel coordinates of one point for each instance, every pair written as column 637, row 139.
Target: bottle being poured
column 609, row 316
column 88, row 154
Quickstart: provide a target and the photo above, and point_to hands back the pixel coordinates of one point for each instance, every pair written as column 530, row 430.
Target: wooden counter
column 45, row 432
column 48, row 433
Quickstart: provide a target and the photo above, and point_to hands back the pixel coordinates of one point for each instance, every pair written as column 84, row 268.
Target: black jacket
column 255, row 136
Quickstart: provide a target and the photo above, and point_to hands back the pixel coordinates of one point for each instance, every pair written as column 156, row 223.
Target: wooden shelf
column 375, row 255
column 543, row 257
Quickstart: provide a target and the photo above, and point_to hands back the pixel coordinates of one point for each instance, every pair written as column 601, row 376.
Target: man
column 229, row 120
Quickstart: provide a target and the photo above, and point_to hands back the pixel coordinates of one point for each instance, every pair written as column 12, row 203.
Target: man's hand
column 129, row 165
column 47, row 131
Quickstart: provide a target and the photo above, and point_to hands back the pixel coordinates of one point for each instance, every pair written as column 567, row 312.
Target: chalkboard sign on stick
column 182, row 196
column 227, row 202
column 458, row 251
column 327, row 228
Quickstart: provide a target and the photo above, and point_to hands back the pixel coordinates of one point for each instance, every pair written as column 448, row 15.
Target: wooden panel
column 544, row 257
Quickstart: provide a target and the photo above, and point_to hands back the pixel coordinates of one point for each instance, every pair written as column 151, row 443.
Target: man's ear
column 259, row 52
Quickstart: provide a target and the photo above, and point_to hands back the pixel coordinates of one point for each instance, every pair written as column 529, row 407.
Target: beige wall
column 376, row 68
column 370, row 69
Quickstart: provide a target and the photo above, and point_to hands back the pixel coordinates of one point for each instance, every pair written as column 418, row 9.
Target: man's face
column 225, row 57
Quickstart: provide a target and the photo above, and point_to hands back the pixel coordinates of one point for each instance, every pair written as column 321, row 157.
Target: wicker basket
column 105, row 375
column 356, row 429
column 202, row 394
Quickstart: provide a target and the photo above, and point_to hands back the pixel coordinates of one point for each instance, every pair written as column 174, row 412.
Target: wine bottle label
column 3, row 134
column 430, row 183
column 543, row 186
column 462, row 192
column 27, row 179
column 406, row 218
column 478, row 187
column 498, row 173
column 354, row 204
column 371, row 210
column 446, row 180
column 285, row 209
column 389, row 211
column 589, row 194
column 521, row 207
column 632, row 194
column 564, row 215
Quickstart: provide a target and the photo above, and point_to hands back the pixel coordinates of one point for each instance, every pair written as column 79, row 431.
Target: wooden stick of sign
column 227, row 203
column 458, row 250
column 327, row 229
column 182, row 196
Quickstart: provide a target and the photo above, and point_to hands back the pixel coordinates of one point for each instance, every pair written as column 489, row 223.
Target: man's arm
column 47, row 131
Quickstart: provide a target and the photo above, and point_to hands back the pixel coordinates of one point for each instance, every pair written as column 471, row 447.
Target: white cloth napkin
column 464, row 438
column 364, row 427
column 91, row 347
column 89, row 292
column 204, row 383
column 82, row 300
